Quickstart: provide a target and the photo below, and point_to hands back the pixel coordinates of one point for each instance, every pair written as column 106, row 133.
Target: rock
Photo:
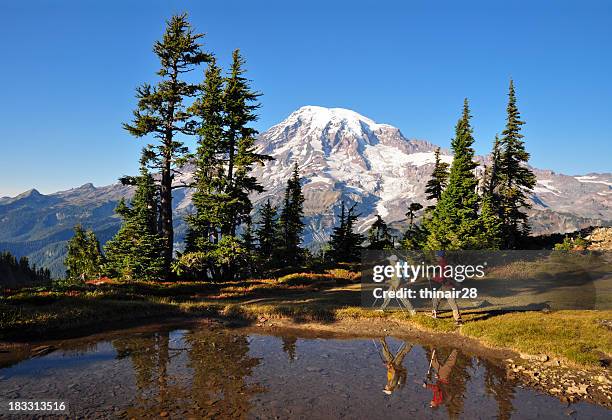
column 534, row 357
column 163, row 414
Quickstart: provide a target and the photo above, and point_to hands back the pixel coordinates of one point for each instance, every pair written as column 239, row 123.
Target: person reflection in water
column 396, row 372
column 441, row 374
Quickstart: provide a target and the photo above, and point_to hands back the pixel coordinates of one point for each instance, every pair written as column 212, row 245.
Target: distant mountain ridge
column 342, row 156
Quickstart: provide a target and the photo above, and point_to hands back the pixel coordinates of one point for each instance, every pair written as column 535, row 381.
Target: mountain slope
column 342, row 156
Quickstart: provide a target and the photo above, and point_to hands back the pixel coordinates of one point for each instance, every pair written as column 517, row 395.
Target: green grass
column 575, row 336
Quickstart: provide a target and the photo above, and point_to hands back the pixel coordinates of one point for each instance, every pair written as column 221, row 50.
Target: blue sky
column 69, row 69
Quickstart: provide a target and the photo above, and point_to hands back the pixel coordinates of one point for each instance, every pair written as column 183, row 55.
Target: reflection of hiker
column 442, row 374
column 396, row 372
column 445, row 284
column 394, row 285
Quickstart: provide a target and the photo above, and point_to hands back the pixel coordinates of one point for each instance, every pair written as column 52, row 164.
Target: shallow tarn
column 214, row 372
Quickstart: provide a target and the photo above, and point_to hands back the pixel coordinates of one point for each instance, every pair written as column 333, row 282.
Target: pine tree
column 16, row 274
column 136, row 252
column 413, row 208
column 266, row 232
column 248, row 237
column 345, row 243
column 516, row 179
column 379, row 235
column 83, row 259
column 248, row 243
column 454, row 221
column 223, row 180
column 240, row 105
column 162, row 113
column 491, row 178
column 490, row 224
column 209, row 198
column 439, row 178
column 414, row 235
column 290, row 220
column 489, row 217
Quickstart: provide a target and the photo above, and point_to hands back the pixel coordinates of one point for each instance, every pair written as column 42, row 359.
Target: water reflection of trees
column 501, row 387
column 206, row 373
column 289, row 346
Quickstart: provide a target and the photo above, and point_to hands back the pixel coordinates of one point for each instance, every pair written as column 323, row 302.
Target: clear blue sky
column 69, row 69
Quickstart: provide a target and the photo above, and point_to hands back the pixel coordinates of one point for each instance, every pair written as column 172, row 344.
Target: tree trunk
column 167, row 230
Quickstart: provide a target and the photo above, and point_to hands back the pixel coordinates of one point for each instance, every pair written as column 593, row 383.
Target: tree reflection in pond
column 217, row 386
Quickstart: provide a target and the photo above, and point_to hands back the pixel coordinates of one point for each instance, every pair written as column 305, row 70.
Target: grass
column 578, row 337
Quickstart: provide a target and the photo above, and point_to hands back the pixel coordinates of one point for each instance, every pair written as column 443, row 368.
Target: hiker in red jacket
column 442, row 374
column 444, row 284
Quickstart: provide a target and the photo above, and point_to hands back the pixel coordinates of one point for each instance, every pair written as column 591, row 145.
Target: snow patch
column 592, row 180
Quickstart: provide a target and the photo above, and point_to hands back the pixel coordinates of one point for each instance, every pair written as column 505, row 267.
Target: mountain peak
column 322, row 117
column 29, row 193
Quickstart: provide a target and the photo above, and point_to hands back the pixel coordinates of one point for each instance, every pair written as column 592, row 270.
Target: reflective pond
column 233, row 373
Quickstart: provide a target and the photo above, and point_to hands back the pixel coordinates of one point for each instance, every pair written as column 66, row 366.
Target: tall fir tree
column 491, row 178
column 266, row 233
column 162, row 113
column 415, row 234
column 489, row 217
column 516, row 178
column 454, row 221
column 223, row 180
column 413, row 208
column 345, row 243
column 290, row 221
column 83, row 259
column 209, row 198
column 240, row 106
column 439, row 179
column 136, row 252
column 379, row 236
column 489, row 223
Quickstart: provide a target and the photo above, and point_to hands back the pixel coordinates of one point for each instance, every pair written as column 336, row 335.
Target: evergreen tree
column 248, row 243
column 15, row 274
column 438, row 180
column 490, row 223
column 223, row 180
column 491, row 178
column 454, row 221
column 266, row 232
column 137, row 251
column 83, row 259
column 240, row 105
column 290, row 220
column 414, row 235
column 161, row 112
column 413, row 208
column 379, row 235
column 489, row 218
column 248, row 237
column 516, row 179
column 345, row 243
column 209, row 198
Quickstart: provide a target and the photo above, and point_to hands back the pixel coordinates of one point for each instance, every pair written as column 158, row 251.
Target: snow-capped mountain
column 342, row 155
